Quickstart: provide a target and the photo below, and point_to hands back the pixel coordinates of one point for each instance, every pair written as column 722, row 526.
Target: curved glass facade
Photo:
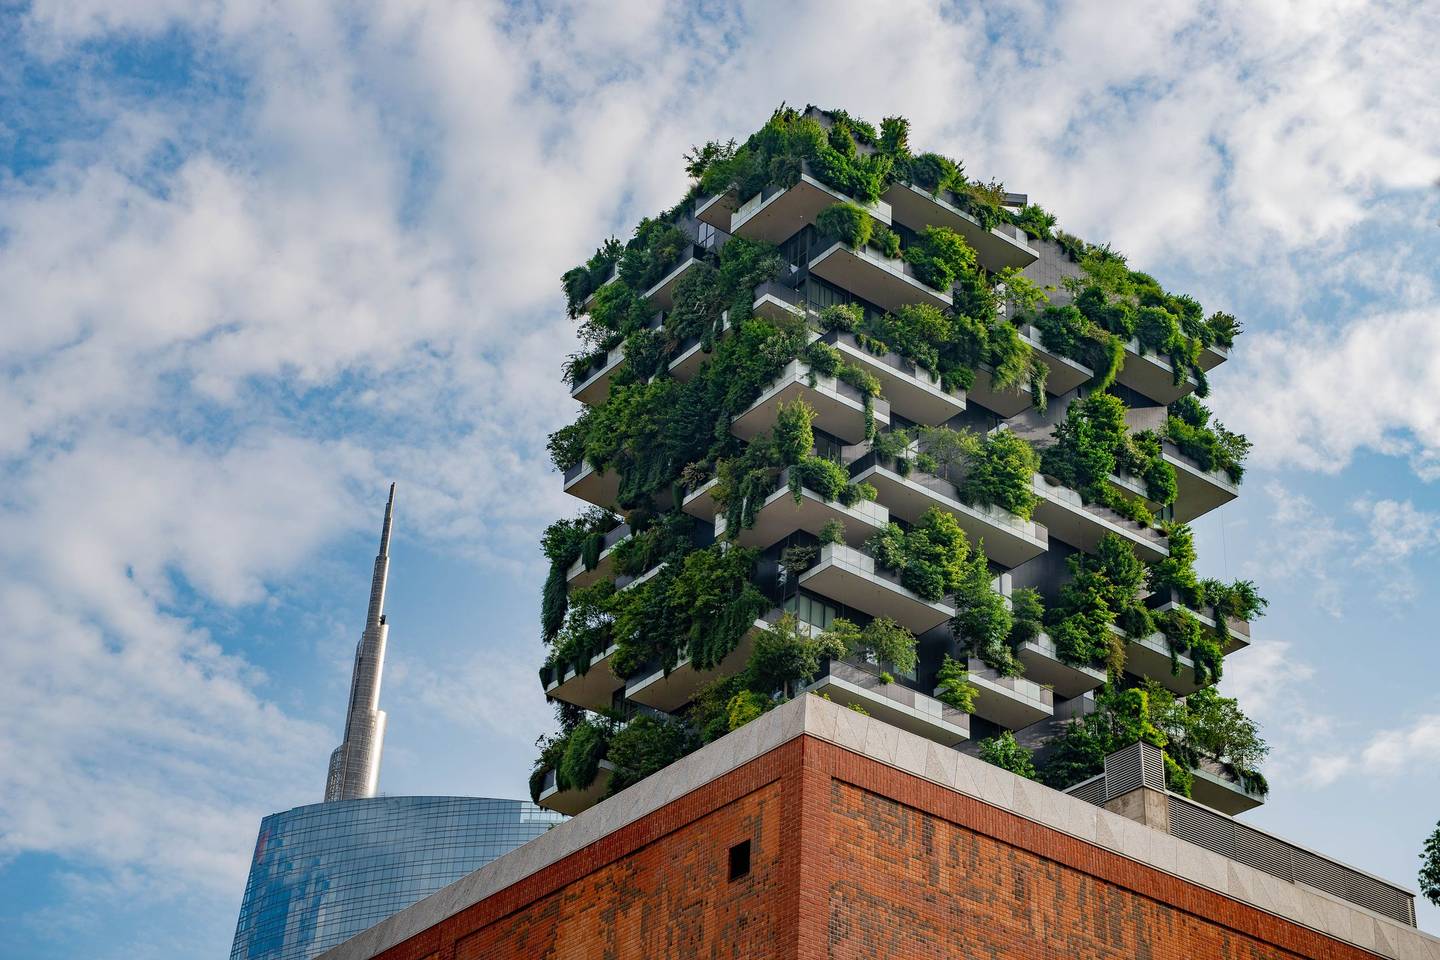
column 324, row 872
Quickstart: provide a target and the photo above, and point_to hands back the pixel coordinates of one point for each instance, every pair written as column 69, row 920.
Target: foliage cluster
column 1114, row 305
column 954, row 686
column 562, row 543
column 787, row 656
column 929, row 557
column 1208, row 443
column 841, row 157
column 994, row 470
column 1103, row 593
column 1005, row 752
column 748, row 478
column 1093, row 442
column 1203, row 728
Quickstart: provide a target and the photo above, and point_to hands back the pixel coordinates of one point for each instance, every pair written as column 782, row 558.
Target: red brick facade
column 853, row 858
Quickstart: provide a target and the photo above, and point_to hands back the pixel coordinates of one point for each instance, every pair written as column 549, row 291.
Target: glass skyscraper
column 324, row 872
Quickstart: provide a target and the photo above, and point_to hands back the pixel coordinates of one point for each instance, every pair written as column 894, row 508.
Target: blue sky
column 258, row 260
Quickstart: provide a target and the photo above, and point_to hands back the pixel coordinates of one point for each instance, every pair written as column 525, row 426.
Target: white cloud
column 1329, row 394
column 1311, row 549
column 1397, row 529
column 1393, row 752
column 1407, row 751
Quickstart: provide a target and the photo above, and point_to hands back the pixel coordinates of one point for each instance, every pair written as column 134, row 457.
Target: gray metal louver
column 1141, row 765
column 1279, row 858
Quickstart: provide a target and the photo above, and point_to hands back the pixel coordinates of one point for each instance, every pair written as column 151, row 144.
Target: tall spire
column 355, row 764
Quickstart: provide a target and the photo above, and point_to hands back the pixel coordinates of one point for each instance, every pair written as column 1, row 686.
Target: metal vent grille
column 1091, row 791
column 1234, row 841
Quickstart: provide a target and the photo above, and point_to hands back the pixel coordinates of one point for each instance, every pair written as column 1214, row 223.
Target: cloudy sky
column 257, row 260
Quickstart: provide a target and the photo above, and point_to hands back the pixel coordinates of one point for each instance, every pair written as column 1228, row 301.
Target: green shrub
column 584, row 749
column 886, row 240
column 1002, row 474
column 744, row 707
column 1004, row 751
column 982, row 623
column 986, row 202
column 955, row 688
column 841, row 316
column 1036, row 221
column 787, row 655
column 1104, row 590
column 845, row 222
column 930, row 557
column 718, row 601
column 584, row 280
column 939, row 256
column 1211, row 446
column 832, row 531
column 936, row 173
column 646, row 744
column 1176, row 570
column 1093, row 442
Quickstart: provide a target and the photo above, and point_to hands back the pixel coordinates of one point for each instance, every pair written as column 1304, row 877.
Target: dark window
column 740, row 860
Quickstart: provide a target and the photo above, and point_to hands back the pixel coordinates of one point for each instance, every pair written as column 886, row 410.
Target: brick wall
column 853, row 858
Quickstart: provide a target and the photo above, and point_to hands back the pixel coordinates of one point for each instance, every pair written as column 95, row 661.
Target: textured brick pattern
column 908, row 884
column 670, row 899
column 852, row 858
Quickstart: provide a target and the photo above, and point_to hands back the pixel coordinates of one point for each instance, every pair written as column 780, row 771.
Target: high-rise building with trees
column 888, row 484
column 860, row 425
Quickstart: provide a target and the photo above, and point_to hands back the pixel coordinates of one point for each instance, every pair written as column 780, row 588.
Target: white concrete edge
column 915, row 755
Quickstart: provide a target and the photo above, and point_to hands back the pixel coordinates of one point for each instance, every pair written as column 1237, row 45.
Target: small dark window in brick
column 739, row 860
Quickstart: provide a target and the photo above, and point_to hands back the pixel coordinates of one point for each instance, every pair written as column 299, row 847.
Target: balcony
column 1009, row 539
column 614, row 275
column 1149, row 657
column 1065, row 374
column 624, row 582
column 1197, row 491
column 911, row 391
column 1082, row 524
column 700, row 502
column 1212, row 356
column 1239, row 630
column 850, row 577
column 894, row 703
column 839, row 407
column 778, row 213
column 578, row 576
column 592, row 486
column 1153, row 376
column 691, row 354
column 1219, row 790
column 1043, row 664
column 594, row 388
column 1012, row 702
column 717, row 209
column 594, row 689
column 669, row 692
column 662, row 295
column 575, row 801
column 777, row 302
column 916, row 208
column 779, row 516
column 889, row 283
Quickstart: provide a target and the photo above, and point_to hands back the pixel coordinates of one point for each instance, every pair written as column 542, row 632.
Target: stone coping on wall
column 833, row 723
